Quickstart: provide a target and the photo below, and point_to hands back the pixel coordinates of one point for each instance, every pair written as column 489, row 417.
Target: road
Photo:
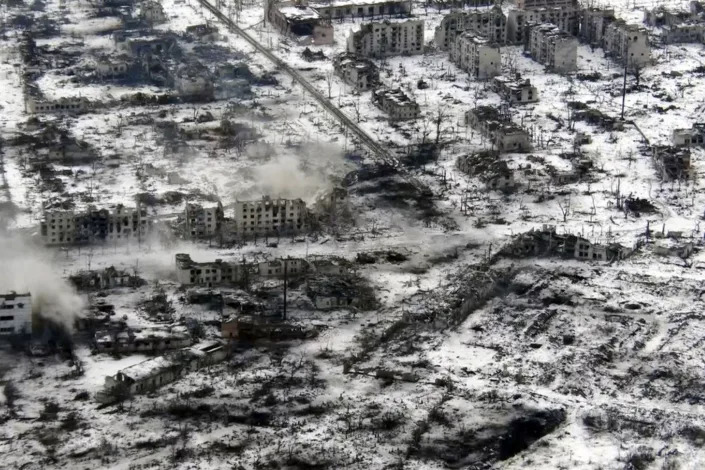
column 378, row 150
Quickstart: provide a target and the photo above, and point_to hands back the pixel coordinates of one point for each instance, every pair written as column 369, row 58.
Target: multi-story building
column 515, row 90
column 672, row 162
column 593, row 25
column 397, row 104
column 555, row 49
column 15, row 314
column 339, row 9
column 476, row 55
column 503, row 134
column 567, row 19
column 209, row 274
column 60, row 106
column 490, row 23
column 300, row 22
column 280, row 267
column 386, row 38
column 61, row 227
column 360, row 73
column 270, row 216
column 626, row 42
column 530, row 4
column 203, row 222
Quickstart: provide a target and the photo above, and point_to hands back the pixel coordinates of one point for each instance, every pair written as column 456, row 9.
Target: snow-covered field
column 566, row 365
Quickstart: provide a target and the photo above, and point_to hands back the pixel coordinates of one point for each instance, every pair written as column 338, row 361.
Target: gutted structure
column 108, row 278
column 547, row 242
column 360, row 73
column 490, row 23
column 567, row 19
column 593, row 25
column 209, row 274
column 496, row 126
column 476, row 55
column 131, row 340
column 687, row 137
column 678, row 24
column 555, row 49
column 672, row 162
column 339, row 9
column 515, row 90
column 117, row 224
column 492, row 172
column 61, row 106
column 387, row 38
column 627, row 43
column 193, row 81
column 15, row 314
column 300, row 22
column 396, row 104
column 203, row 222
column 270, row 217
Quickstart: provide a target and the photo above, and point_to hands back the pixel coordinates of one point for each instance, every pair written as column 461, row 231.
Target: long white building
column 270, row 216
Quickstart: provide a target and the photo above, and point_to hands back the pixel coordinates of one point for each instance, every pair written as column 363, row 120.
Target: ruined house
column 108, row 278
column 360, row 73
column 486, row 165
column 257, row 328
column 671, row 162
column 112, row 66
column 194, row 81
column 153, row 373
column 119, row 223
column 204, row 32
column 496, row 126
column 515, row 90
column 593, row 25
column 300, row 22
column 397, row 104
column 678, row 24
column 386, row 38
column 552, row 47
column 329, row 292
column 208, row 274
column 129, row 340
column 15, row 314
column 201, row 223
column 476, row 55
column 687, row 137
column 152, row 12
column 490, row 24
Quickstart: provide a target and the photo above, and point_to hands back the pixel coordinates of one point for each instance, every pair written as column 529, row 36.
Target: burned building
column 555, row 49
column 515, row 90
column 194, row 81
column 476, row 55
column 360, row 73
column 387, row 38
column 258, row 328
column 566, row 19
column 678, row 24
column 593, row 25
column 496, row 126
column 494, row 173
column 203, row 222
column 15, row 314
column 153, row 373
column 627, row 43
column 120, row 223
column 108, row 278
column 300, row 22
column 129, row 340
column 490, row 24
column 270, row 217
column 396, row 104
column 209, row 274
column 328, row 292
column 672, row 162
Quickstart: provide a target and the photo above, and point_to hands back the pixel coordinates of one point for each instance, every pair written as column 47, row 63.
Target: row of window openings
column 10, row 306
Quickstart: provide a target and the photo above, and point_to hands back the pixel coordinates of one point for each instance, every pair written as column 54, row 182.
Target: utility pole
column 624, row 84
column 286, row 278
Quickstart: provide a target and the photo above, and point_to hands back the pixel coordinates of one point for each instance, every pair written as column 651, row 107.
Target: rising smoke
column 306, row 173
column 27, row 268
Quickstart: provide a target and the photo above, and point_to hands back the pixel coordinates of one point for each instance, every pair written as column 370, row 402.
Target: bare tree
column 565, row 207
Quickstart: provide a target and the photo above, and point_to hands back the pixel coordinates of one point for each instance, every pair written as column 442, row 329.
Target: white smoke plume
column 308, row 172
column 27, row 268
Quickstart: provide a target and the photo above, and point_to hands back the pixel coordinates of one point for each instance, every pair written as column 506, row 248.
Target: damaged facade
column 672, row 162
column 678, row 25
column 130, row 340
column 687, row 137
column 270, row 217
column 203, row 222
column 555, row 49
column 490, row 24
column 108, row 278
column 385, row 38
column 300, row 22
column 15, row 314
column 476, row 55
column 62, row 227
column 628, row 43
column 360, row 73
column 396, row 104
column 504, row 135
column 566, row 19
column 515, row 90
column 494, row 173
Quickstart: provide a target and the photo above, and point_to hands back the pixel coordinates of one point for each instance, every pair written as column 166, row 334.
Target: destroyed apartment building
column 219, row 272
column 199, row 223
column 678, row 25
column 477, row 56
column 490, row 24
column 117, row 224
column 300, row 22
column 387, row 38
column 194, row 81
column 108, row 278
column 128, row 340
column 552, row 47
column 153, row 373
column 547, row 242
column 627, row 43
column 494, row 173
column 515, row 90
column 15, row 314
column 566, row 18
column 271, row 217
column 672, row 162
column 687, row 137
column 360, row 73
column 497, row 127
column 397, row 104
